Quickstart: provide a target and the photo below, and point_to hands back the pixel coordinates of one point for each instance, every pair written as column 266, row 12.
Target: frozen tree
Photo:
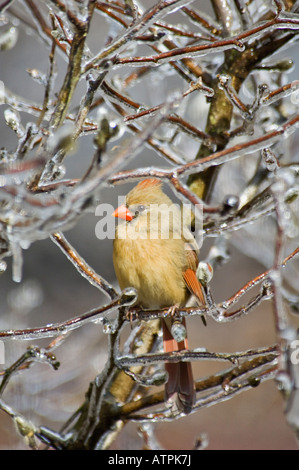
column 199, row 95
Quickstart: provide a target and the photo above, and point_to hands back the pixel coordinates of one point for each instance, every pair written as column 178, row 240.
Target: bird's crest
column 148, row 191
column 149, row 183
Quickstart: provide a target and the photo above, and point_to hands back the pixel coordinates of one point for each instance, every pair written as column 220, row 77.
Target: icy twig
column 139, row 26
column 204, row 22
column 217, row 158
column 129, row 149
column 280, row 93
column 97, row 314
column 183, row 53
column 238, row 378
column 32, row 354
column 220, row 311
column 49, row 85
column 43, row 27
column 26, row 428
column 74, row 66
column 5, row 5
column 126, row 361
column 258, row 280
column 84, row 269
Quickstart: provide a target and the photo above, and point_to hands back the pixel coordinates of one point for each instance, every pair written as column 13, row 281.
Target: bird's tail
column 179, row 389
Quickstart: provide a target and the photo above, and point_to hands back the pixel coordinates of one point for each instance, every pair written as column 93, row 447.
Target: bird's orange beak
column 122, row 212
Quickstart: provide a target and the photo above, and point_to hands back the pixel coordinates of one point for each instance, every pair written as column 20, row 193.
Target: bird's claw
column 172, row 310
column 132, row 314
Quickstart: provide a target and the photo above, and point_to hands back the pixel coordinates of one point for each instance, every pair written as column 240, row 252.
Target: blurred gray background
column 252, row 420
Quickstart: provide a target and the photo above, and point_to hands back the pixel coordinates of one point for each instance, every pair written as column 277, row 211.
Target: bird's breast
column 154, row 268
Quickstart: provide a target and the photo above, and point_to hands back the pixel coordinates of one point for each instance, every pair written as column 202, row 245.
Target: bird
column 155, row 252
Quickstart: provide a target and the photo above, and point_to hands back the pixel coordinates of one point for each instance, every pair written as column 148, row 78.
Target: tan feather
column 161, row 269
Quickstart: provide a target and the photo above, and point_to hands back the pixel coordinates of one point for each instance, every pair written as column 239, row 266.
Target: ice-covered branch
column 218, row 158
column 84, row 269
column 144, row 22
column 214, row 389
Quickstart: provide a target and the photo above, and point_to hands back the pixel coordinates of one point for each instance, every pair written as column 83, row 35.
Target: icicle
column 17, row 262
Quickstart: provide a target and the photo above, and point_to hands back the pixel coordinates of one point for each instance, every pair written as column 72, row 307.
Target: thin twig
column 84, row 269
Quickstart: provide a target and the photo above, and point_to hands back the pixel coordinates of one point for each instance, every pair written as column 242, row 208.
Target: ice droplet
column 270, row 160
column 109, row 327
column 230, row 204
column 178, row 331
column 202, row 442
column 284, row 381
column 12, row 119
column 59, row 171
column 200, row 350
column 8, row 38
column 38, row 76
column 226, row 387
column 3, row 266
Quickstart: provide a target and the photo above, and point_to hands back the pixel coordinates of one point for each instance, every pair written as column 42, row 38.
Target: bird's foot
column 132, row 314
column 172, row 310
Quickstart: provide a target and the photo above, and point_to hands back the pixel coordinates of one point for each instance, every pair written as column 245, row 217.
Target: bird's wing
column 189, row 274
column 194, row 285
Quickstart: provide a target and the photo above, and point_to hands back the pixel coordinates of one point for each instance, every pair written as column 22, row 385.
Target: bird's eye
column 139, row 209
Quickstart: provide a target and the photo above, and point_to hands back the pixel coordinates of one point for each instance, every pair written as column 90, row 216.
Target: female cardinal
column 155, row 253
